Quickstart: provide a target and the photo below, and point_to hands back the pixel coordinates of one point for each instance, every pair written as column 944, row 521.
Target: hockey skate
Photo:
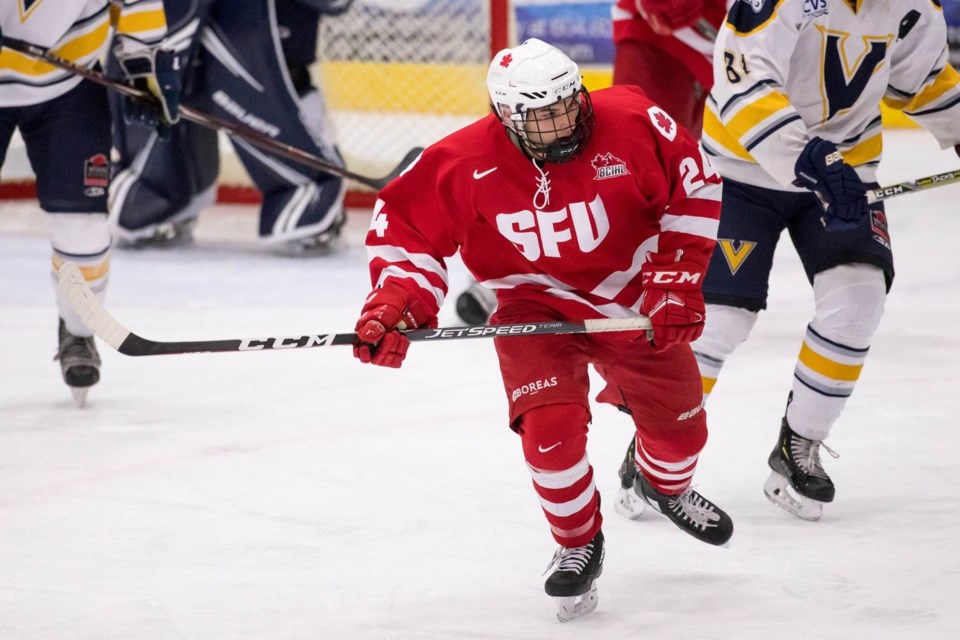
column 476, row 304
column 690, row 511
column 629, row 504
column 797, row 482
column 79, row 363
column 573, row 576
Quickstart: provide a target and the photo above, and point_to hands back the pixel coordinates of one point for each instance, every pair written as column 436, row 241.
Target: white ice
column 302, row 495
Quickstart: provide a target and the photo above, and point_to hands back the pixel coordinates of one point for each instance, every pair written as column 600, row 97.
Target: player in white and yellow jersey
column 65, row 124
column 793, row 126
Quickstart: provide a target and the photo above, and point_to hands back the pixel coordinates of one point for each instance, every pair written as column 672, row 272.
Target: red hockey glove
column 387, row 311
column 666, row 16
column 673, row 301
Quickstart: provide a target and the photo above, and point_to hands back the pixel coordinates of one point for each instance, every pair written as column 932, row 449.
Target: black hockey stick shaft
column 255, row 138
column 134, row 345
column 84, row 302
column 920, row 184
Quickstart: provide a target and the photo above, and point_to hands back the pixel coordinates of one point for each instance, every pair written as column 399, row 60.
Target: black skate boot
column 79, row 363
column 798, row 482
column 476, row 304
column 573, row 578
column 690, row 511
column 629, row 504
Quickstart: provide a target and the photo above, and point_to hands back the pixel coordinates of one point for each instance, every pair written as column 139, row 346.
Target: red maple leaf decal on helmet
column 506, row 60
column 664, row 122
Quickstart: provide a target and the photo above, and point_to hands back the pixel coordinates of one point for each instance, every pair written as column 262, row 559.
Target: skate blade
column 629, row 504
column 577, row 606
column 779, row 492
column 80, row 395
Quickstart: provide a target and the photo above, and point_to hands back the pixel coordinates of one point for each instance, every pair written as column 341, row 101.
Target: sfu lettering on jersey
column 292, row 342
column 541, row 233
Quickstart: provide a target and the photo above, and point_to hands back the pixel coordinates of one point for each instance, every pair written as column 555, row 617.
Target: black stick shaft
column 134, row 345
column 929, row 182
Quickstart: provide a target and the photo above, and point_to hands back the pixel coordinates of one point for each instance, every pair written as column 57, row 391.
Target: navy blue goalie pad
column 240, row 74
column 951, row 11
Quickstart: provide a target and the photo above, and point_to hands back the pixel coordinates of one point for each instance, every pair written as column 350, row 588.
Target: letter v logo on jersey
column 735, row 252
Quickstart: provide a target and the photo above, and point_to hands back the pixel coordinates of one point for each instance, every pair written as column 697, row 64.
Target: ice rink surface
column 302, row 495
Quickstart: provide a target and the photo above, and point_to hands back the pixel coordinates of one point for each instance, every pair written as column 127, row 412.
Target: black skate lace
column 76, row 351
column 693, row 507
column 806, row 453
column 571, row 559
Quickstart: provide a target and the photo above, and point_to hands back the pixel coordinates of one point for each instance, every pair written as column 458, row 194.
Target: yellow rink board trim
column 446, row 89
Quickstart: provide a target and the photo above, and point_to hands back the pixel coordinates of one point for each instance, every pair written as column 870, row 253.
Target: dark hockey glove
column 956, row 148
column 156, row 71
column 672, row 300
column 387, row 312
column 821, row 169
column 666, row 16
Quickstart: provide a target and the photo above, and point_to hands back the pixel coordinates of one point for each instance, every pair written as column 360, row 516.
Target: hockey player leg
column 162, row 186
column 665, row 486
column 82, row 238
column 798, row 482
column 554, row 446
column 575, row 595
column 306, row 218
column 726, row 329
column 849, row 304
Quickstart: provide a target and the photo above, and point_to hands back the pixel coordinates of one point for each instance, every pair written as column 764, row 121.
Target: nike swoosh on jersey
column 480, row 174
column 542, row 450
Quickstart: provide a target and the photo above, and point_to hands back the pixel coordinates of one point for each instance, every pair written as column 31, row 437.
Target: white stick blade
column 597, row 325
column 83, row 301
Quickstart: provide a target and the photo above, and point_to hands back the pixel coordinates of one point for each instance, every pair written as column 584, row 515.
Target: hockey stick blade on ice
column 85, row 303
column 210, row 121
column 920, row 184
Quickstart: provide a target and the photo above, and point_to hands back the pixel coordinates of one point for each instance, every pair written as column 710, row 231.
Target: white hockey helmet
column 532, row 76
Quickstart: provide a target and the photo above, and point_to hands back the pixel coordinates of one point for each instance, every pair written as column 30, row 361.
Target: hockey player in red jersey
column 663, row 47
column 571, row 206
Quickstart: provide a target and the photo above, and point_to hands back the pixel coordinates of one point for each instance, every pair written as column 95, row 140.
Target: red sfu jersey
column 640, row 186
column 688, row 45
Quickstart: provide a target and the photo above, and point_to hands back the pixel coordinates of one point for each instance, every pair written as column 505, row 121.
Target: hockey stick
column 255, row 138
column 85, row 303
column 704, row 28
column 920, row 184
